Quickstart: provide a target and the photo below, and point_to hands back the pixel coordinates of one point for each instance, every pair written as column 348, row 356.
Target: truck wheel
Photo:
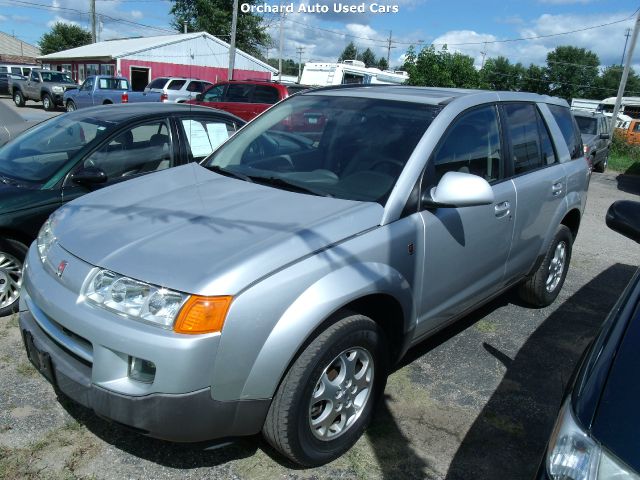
column 71, row 106
column 542, row 288
column 12, row 254
column 602, row 166
column 18, row 98
column 47, row 103
column 328, row 395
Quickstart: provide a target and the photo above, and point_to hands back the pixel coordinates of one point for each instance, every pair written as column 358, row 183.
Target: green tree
column 535, row 80
column 440, row 68
column 350, row 52
column 63, row 37
column 499, row 74
column 572, row 73
column 214, row 17
column 369, row 58
column 609, row 82
column 382, row 64
column 289, row 66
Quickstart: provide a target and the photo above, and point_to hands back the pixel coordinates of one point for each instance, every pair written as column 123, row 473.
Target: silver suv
column 177, row 89
column 272, row 287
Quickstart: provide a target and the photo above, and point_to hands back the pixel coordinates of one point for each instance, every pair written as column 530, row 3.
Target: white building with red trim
column 197, row 55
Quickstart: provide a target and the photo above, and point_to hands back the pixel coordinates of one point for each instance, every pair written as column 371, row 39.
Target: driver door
column 83, row 97
column 465, row 249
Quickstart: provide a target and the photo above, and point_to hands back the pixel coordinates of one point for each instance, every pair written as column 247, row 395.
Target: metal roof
column 124, row 47
column 14, row 46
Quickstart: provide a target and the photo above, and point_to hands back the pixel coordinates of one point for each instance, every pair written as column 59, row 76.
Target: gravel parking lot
column 478, row 401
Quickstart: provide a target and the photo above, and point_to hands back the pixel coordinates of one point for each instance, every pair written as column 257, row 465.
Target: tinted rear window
column 158, row 83
column 176, row 84
column 265, row 94
column 587, row 125
column 569, row 129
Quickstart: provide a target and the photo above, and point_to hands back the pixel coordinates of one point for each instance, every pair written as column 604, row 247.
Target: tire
column 602, row 166
column 12, row 254
column 71, row 106
column 18, row 98
column 542, row 288
column 47, row 102
column 288, row 424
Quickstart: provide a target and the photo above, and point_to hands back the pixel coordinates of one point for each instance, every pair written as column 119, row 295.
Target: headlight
column 573, row 455
column 191, row 314
column 135, row 299
column 57, row 89
column 45, row 239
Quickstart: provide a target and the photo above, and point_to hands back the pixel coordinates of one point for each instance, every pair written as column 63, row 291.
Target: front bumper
column 84, row 352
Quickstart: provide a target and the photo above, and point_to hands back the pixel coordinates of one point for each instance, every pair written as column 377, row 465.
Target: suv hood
column 198, row 232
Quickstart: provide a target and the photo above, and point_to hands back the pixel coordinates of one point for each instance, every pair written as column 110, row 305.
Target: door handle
column 556, row 189
column 502, row 209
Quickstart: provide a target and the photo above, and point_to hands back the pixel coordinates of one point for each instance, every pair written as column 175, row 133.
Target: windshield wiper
column 229, row 173
column 288, row 185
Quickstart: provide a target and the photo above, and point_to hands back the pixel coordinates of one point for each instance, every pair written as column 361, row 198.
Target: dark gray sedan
column 78, row 152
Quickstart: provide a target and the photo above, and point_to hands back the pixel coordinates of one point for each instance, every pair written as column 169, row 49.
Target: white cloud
column 137, row 14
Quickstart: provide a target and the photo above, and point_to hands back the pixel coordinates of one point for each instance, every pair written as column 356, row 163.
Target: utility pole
column 624, row 50
column 300, row 51
column 185, row 27
column 93, row 21
column 281, row 42
column 625, row 74
column 484, row 54
column 389, row 47
column 232, row 46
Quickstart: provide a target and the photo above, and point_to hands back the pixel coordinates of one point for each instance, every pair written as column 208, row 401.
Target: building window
column 106, row 69
column 81, row 75
column 93, row 69
column 66, row 67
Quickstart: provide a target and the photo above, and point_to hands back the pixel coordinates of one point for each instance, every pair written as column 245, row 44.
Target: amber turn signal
column 202, row 315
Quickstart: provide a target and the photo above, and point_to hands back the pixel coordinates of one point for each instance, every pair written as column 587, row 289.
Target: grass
column 624, row 157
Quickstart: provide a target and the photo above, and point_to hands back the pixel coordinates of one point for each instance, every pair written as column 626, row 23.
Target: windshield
column 56, row 77
column 344, row 147
column 587, row 125
column 41, row 151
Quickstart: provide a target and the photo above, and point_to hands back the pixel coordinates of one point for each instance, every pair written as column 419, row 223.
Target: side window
column 240, row 93
column 140, row 149
column 548, row 153
column 265, row 94
column 214, row 94
column 195, row 87
column 569, row 129
column 204, row 135
column 636, row 127
column 34, row 77
column 4, row 70
column 18, row 70
column 472, row 145
column 88, row 84
column 176, row 84
column 525, row 141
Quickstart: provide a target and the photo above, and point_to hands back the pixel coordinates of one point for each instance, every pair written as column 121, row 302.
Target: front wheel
column 327, row 397
column 47, row 102
column 12, row 254
column 542, row 288
column 18, row 98
column 71, row 106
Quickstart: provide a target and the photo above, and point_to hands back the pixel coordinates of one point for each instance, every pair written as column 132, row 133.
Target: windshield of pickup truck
column 56, row 77
column 41, row 151
column 113, row 84
column 338, row 146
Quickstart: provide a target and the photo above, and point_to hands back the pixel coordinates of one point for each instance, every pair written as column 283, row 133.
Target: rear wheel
column 12, row 254
column 328, row 395
column 47, row 102
column 18, row 98
column 71, row 106
column 542, row 288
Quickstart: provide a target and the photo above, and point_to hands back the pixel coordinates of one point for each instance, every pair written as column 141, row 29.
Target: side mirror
column 89, row 176
column 199, row 97
column 623, row 217
column 604, row 136
column 457, row 189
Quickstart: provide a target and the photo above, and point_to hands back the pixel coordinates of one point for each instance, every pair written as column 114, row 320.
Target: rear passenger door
column 540, row 183
column 237, row 100
column 466, row 249
column 263, row 97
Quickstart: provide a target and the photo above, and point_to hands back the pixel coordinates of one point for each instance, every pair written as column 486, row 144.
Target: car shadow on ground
column 509, row 436
column 629, row 183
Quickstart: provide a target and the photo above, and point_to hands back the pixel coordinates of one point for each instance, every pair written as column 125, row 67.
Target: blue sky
column 324, row 35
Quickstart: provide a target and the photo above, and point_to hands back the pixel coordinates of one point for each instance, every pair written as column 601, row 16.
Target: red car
column 245, row 98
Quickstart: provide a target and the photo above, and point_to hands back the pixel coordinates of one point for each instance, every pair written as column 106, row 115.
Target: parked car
column 105, row 90
column 596, row 434
column 177, row 89
column 596, row 136
column 632, row 133
column 245, row 98
column 6, row 80
column 272, row 286
column 46, row 86
column 79, row 152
